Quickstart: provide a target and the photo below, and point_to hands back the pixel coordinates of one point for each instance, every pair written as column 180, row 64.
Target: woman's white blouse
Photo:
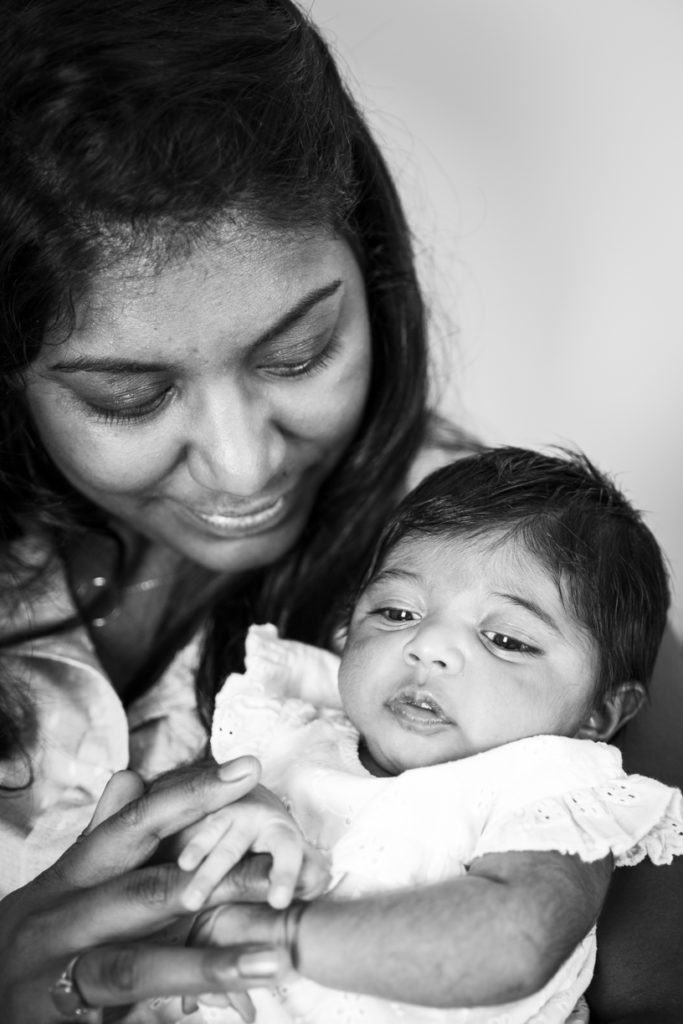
column 83, row 735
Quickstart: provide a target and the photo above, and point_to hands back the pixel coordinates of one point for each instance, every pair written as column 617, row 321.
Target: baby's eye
column 396, row 614
column 505, row 642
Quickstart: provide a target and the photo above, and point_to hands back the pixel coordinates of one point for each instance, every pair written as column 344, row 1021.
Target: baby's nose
column 433, row 648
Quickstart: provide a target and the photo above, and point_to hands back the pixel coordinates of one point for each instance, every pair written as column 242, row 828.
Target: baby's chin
column 383, row 762
column 375, row 762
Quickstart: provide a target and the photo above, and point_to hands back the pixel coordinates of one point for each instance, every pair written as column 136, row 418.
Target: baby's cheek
column 359, row 685
column 347, row 683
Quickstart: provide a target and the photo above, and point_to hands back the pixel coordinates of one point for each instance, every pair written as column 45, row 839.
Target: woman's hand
column 254, row 924
column 99, row 905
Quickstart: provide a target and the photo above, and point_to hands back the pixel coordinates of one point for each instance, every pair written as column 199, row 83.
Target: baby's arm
column 497, row 934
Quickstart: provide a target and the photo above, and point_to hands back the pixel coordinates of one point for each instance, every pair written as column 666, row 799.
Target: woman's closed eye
column 131, row 406
column 301, row 360
column 505, row 642
column 142, row 403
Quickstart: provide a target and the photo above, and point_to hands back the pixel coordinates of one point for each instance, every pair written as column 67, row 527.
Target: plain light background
column 538, row 147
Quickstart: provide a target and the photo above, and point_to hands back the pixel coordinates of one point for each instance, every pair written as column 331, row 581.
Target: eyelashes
column 505, row 642
column 129, row 414
column 142, row 411
column 307, row 367
column 398, row 615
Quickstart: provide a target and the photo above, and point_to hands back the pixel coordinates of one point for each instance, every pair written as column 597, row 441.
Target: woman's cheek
column 110, row 459
column 331, row 411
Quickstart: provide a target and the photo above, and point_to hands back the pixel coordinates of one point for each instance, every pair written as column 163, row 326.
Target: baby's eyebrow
column 389, row 575
column 531, row 606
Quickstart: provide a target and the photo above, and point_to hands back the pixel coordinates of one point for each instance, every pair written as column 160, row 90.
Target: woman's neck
column 139, row 601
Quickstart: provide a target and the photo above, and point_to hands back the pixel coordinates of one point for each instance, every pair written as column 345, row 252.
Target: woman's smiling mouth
column 235, row 522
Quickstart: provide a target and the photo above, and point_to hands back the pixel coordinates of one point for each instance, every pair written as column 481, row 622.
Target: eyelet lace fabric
column 428, row 824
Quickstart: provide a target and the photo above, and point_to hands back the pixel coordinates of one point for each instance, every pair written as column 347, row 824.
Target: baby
column 505, row 631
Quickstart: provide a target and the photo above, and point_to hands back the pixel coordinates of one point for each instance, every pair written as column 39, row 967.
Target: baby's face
column 458, row 646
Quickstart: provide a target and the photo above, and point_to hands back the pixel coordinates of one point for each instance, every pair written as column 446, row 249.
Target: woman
column 214, row 372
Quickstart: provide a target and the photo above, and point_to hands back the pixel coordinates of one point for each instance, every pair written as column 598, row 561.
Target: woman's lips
column 418, row 710
column 240, row 522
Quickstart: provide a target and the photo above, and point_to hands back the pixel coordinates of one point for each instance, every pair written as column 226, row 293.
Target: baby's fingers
column 315, row 875
column 213, row 851
column 286, row 846
column 239, row 1001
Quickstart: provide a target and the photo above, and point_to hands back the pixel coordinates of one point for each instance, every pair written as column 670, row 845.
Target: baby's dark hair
column 576, row 522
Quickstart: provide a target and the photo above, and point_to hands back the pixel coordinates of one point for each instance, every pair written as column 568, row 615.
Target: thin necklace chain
column 141, row 587
column 150, row 584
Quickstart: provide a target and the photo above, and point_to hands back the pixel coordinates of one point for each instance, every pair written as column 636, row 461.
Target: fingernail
column 193, row 899
column 262, row 964
column 280, row 896
column 233, row 771
column 189, row 859
column 213, row 999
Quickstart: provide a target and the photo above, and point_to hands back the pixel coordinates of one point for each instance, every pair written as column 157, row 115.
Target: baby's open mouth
column 417, row 707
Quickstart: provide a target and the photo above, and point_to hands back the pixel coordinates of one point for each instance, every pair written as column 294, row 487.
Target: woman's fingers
column 130, row 836
column 122, row 788
column 41, row 931
column 239, row 1001
column 133, row 905
column 123, row 974
column 247, row 882
column 232, row 923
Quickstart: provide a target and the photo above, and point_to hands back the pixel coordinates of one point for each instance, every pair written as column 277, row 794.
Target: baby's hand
column 257, row 823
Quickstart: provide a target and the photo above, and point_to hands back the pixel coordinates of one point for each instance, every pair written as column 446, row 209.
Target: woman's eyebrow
column 299, row 311
column 84, row 363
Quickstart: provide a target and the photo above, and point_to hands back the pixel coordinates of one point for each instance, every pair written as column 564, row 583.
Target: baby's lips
column 420, row 698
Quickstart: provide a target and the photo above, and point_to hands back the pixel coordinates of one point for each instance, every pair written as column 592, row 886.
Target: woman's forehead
column 246, row 282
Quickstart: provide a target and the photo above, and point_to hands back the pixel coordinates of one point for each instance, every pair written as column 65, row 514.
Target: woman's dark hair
column 575, row 521
column 133, row 127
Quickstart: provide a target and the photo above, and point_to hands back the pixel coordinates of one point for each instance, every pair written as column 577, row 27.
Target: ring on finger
column 203, row 925
column 67, row 997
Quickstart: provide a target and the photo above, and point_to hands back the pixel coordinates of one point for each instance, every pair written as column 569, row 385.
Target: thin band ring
column 66, row 995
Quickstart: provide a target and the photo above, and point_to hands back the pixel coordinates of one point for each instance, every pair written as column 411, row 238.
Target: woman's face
column 203, row 405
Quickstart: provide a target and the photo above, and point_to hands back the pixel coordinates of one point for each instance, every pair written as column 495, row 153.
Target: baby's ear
column 614, row 711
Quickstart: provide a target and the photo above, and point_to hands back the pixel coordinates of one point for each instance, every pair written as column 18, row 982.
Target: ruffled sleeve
column 285, row 687
column 288, row 668
column 629, row 816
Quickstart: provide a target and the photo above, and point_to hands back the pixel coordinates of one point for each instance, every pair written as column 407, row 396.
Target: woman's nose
column 433, row 647
column 236, row 446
